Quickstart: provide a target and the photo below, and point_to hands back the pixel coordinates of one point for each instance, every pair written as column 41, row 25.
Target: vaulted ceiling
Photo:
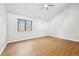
column 34, row 10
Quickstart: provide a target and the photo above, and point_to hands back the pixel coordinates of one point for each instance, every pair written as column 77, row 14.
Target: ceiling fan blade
column 50, row 5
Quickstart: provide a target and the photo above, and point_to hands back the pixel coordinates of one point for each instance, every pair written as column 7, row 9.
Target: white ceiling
column 33, row 10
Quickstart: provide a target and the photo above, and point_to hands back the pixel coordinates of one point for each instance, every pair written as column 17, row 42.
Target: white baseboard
column 63, row 37
column 3, row 48
column 27, row 38
column 59, row 36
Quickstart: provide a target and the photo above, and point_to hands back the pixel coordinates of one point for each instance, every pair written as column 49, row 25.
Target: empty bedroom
column 39, row 29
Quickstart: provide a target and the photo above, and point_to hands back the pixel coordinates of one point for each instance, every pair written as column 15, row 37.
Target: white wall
column 3, row 27
column 66, row 23
column 39, row 28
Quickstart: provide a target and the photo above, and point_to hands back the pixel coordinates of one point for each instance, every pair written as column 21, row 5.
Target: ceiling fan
column 46, row 6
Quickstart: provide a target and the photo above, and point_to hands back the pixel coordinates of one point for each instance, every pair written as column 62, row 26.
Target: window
column 24, row 25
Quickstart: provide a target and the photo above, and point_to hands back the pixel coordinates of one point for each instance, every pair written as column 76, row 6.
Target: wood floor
column 43, row 46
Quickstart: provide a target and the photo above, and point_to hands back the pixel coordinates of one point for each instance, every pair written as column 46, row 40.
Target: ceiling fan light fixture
column 45, row 5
